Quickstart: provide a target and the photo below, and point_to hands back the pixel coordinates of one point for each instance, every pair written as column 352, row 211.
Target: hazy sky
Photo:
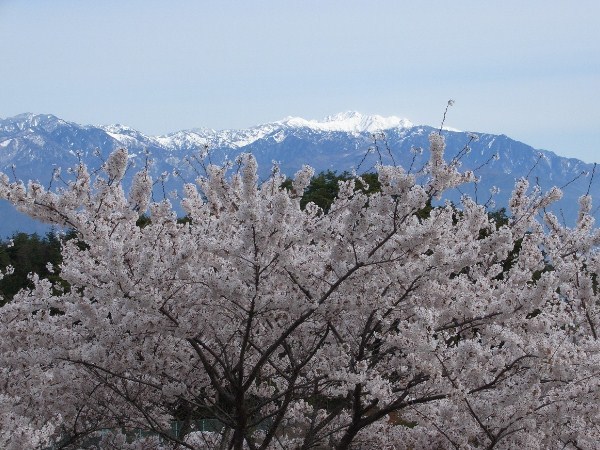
column 527, row 68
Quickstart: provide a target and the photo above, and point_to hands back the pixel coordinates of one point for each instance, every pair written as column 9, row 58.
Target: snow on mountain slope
column 349, row 122
column 344, row 141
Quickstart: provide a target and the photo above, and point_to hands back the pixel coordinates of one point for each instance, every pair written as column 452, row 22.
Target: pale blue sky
column 528, row 68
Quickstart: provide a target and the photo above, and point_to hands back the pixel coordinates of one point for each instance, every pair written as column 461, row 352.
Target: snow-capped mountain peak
column 36, row 142
column 118, row 129
column 349, row 122
column 30, row 121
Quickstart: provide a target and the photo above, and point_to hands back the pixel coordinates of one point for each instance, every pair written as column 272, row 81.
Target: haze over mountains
column 36, row 143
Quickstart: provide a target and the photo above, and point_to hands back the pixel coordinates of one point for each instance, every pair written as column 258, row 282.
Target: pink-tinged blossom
column 116, row 164
column 380, row 324
column 141, row 191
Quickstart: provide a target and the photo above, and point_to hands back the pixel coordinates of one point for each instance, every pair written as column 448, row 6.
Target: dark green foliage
column 372, row 180
column 143, row 221
column 499, row 216
column 324, row 187
column 27, row 254
column 184, row 220
column 425, row 212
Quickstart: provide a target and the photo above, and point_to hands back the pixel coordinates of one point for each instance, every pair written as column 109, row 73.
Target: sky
column 528, row 69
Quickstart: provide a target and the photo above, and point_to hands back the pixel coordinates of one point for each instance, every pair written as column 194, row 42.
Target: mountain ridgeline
column 31, row 146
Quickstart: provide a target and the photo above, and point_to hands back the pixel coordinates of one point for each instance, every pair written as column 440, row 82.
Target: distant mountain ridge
column 35, row 143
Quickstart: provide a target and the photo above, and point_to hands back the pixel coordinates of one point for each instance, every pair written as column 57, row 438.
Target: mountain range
column 31, row 145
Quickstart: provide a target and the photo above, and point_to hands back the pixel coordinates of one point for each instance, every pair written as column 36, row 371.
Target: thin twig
column 448, row 105
column 591, row 179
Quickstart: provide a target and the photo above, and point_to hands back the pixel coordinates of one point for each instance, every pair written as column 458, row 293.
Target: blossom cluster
column 383, row 323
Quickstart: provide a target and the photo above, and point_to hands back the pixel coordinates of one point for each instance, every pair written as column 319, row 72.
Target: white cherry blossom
column 375, row 325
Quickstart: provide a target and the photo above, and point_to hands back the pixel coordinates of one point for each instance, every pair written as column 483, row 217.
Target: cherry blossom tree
column 370, row 326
